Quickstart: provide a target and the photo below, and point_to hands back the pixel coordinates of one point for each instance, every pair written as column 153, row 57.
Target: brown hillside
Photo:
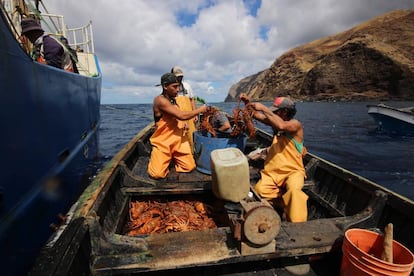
column 374, row 60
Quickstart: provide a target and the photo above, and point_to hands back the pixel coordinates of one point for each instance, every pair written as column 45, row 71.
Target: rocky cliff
column 374, row 60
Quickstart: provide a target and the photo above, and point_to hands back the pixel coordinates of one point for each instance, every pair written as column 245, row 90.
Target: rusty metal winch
column 255, row 224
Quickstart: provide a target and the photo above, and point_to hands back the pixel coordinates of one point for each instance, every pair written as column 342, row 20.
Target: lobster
column 148, row 217
column 205, row 122
column 242, row 120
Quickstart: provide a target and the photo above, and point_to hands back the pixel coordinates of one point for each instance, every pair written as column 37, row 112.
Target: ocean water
column 340, row 132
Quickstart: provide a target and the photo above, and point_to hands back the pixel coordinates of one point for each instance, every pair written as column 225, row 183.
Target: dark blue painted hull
column 392, row 120
column 49, row 120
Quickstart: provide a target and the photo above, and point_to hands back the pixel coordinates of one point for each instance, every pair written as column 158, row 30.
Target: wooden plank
column 173, row 250
column 312, row 237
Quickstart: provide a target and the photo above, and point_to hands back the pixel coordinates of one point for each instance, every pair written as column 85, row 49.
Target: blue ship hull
column 393, row 120
column 49, row 120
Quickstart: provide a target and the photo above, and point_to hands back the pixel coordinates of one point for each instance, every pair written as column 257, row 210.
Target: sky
column 216, row 42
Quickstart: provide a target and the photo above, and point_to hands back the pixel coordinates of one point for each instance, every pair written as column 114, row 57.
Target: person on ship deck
column 47, row 49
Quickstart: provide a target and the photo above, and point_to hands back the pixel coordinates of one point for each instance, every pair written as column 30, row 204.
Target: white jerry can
column 230, row 174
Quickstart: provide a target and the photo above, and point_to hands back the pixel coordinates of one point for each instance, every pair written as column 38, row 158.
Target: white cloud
column 137, row 41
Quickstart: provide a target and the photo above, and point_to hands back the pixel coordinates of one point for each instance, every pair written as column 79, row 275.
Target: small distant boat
column 248, row 237
column 393, row 120
column 49, row 121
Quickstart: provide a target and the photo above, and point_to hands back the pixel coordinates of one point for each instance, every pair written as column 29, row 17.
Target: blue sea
column 340, row 132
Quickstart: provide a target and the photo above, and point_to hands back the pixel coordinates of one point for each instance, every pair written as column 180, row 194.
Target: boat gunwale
column 404, row 110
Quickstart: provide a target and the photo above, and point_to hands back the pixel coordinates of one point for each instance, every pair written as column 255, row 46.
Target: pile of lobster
column 241, row 121
column 148, row 217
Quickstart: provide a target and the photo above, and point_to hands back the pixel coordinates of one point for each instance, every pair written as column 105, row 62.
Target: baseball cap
column 282, row 102
column 177, row 71
column 168, row 78
column 29, row 24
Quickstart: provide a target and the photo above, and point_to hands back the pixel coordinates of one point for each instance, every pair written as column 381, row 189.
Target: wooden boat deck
column 338, row 200
column 207, row 248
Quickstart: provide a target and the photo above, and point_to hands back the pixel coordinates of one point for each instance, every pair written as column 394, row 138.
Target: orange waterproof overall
column 283, row 177
column 169, row 143
column 184, row 104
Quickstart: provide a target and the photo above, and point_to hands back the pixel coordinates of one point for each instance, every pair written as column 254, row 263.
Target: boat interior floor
column 319, row 234
column 140, row 169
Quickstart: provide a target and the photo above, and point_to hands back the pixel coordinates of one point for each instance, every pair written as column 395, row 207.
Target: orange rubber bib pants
column 184, row 103
column 169, row 143
column 283, row 177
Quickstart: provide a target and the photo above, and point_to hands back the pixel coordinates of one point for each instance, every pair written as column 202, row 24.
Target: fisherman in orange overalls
column 283, row 176
column 169, row 140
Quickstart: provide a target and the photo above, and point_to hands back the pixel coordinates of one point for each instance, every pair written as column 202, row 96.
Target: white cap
column 177, row 71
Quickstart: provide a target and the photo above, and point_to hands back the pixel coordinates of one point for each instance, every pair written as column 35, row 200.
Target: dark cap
column 168, row 78
column 177, row 71
column 282, row 102
column 29, row 24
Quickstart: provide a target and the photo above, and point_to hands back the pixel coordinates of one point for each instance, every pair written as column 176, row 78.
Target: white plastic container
column 230, row 174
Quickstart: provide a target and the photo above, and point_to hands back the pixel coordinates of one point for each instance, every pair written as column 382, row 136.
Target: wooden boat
column 398, row 121
column 93, row 242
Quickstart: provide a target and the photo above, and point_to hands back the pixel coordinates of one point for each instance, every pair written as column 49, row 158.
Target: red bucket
column 362, row 252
